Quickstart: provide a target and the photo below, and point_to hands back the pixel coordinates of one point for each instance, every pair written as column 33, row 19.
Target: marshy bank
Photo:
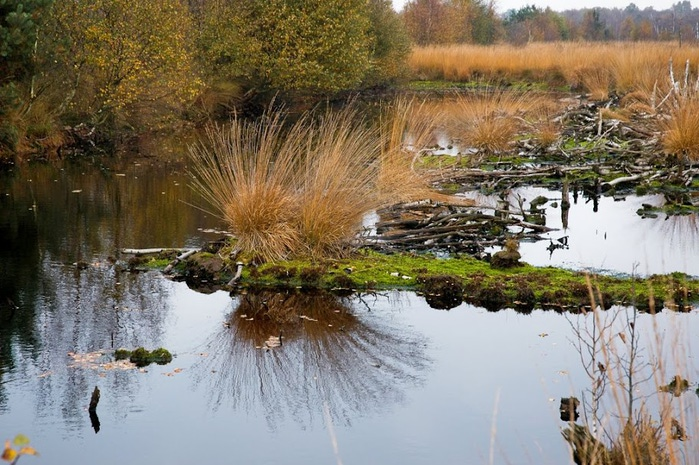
column 382, row 370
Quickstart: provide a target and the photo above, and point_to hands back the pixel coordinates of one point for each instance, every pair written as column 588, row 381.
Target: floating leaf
column 21, row 440
column 9, row 454
column 28, row 451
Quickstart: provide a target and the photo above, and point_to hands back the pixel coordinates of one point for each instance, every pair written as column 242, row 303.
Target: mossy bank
column 457, row 279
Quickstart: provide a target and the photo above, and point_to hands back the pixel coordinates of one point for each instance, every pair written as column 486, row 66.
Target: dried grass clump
column 339, row 182
column 639, row 443
column 597, row 82
column 414, row 123
column 303, row 190
column 490, row 120
column 681, row 131
column 247, row 172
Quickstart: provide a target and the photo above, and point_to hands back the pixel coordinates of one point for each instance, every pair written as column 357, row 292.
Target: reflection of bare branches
column 328, row 356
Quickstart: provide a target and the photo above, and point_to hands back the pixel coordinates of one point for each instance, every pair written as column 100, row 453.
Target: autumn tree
column 390, row 44
column 318, row 45
column 533, row 24
column 120, row 57
column 450, row 21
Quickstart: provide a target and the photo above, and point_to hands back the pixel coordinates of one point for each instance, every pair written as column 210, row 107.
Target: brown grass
column 247, row 171
column 681, row 131
column 625, row 66
column 304, row 190
column 490, row 120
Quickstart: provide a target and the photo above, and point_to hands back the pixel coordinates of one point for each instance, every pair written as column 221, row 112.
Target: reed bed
column 625, row 66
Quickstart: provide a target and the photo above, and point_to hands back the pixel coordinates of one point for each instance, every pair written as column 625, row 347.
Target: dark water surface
column 373, row 379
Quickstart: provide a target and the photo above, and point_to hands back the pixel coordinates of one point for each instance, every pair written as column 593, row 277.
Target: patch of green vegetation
column 482, row 284
column 142, row 357
column 156, row 263
column 669, row 209
column 442, row 85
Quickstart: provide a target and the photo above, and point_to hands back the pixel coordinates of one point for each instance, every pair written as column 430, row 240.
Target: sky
column 560, row 5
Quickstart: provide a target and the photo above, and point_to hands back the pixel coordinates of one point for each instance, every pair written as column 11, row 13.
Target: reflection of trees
column 54, row 215
column 83, row 311
column 330, row 356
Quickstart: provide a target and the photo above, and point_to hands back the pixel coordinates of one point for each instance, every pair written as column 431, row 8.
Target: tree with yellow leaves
column 317, row 45
column 120, row 57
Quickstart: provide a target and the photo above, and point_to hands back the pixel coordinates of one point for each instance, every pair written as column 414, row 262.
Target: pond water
column 370, row 379
column 605, row 234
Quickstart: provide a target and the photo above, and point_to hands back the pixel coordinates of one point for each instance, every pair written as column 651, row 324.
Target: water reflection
column 332, row 357
column 62, row 288
column 604, row 233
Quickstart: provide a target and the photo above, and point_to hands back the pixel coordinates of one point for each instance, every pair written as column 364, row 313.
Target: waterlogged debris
column 173, row 372
column 308, row 318
column 98, row 361
column 273, row 342
column 569, row 409
column 76, row 191
column 677, row 386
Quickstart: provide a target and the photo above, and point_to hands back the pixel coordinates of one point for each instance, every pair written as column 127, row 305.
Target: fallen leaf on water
column 77, row 191
column 20, row 440
column 543, row 334
column 28, row 451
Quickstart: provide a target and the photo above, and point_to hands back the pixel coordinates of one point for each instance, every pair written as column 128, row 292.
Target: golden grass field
column 618, row 66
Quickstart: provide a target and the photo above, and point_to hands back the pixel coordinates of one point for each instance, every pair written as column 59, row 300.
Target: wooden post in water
column 565, row 205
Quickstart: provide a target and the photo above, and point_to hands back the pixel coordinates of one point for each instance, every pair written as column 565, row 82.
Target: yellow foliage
column 128, row 52
column 10, row 454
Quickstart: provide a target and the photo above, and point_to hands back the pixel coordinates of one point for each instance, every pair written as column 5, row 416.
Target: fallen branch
column 154, row 251
column 168, row 269
column 238, row 274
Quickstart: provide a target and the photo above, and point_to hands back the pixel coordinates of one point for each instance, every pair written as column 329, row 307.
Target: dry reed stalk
column 619, row 364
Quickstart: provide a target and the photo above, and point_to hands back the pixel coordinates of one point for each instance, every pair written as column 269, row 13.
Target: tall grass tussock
column 302, row 189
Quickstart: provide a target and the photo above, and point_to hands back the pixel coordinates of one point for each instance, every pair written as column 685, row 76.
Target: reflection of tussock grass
column 331, row 356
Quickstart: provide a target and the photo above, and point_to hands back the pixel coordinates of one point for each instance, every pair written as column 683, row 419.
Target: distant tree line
column 474, row 21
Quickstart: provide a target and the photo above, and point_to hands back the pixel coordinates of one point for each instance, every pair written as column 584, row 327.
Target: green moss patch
column 522, row 286
column 142, row 357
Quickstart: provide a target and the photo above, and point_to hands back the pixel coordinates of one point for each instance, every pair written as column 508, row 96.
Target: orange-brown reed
column 302, row 190
column 620, row 66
